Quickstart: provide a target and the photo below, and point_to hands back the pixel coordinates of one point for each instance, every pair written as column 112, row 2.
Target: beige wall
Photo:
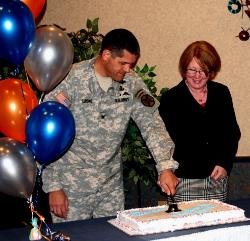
column 164, row 28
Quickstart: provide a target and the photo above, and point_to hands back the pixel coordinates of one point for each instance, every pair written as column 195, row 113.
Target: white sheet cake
column 193, row 214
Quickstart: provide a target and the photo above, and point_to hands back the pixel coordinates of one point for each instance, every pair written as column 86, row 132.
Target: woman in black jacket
column 200, row 118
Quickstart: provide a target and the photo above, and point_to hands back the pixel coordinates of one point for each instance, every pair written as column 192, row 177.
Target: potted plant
column 138, row 164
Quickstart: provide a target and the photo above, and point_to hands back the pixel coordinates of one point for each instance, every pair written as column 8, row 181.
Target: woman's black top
column 203, row 136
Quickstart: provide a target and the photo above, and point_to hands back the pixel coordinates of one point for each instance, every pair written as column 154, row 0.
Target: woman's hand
column 218, row 173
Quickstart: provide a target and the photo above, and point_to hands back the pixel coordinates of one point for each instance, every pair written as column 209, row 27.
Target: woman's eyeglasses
column 193, row 72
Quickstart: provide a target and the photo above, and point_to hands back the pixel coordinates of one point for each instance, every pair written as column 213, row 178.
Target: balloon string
column 41, row 98
column 27, row 76
column 41, row 218
column 38, row 186
column 26, row 110
column 16, row 70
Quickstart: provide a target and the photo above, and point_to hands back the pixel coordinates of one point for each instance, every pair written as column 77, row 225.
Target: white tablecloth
column 239, row 233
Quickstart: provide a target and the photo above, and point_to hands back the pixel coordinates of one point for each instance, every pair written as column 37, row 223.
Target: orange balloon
column 17, row 100
column 35, row 6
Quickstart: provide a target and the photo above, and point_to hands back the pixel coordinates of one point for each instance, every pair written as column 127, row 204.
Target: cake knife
column 173, row 207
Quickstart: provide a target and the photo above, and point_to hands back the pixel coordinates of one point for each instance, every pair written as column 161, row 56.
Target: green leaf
column 151, row 74
column 89, row 24
column 137, row 69
column 163, row 90
column 135, row 178
column 152, row 68
column 95, row 28
column 145, row 69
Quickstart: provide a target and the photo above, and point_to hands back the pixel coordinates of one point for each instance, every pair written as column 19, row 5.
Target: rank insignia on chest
column 123, row 95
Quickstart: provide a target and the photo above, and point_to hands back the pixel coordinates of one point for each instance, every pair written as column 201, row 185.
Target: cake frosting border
column 236, row 214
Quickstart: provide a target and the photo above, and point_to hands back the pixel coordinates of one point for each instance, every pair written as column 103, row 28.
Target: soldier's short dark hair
column 118, row 40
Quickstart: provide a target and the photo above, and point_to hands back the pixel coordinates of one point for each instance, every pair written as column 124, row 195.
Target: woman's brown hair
column 206, row 56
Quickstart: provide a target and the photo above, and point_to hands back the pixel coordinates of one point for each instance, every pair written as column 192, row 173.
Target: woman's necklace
column 200, row 95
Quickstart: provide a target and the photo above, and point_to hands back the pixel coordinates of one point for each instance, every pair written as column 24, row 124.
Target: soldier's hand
column 58, row 203
column 168, row 182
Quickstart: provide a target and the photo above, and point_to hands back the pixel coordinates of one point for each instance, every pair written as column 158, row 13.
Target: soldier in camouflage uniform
column 87, row 181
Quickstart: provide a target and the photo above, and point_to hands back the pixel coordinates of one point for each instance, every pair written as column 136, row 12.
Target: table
column 100, row 230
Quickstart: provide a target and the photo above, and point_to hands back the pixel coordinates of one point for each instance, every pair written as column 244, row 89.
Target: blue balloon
column 50, row 130
column 17, row 31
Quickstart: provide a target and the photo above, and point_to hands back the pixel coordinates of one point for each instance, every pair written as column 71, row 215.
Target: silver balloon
column 17, row 168
column 50, row 57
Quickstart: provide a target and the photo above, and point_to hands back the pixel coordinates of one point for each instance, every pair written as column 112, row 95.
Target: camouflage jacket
column 101, row 121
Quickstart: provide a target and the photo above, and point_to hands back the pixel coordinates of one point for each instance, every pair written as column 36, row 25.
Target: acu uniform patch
column 63, row 99
column 147, row 100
